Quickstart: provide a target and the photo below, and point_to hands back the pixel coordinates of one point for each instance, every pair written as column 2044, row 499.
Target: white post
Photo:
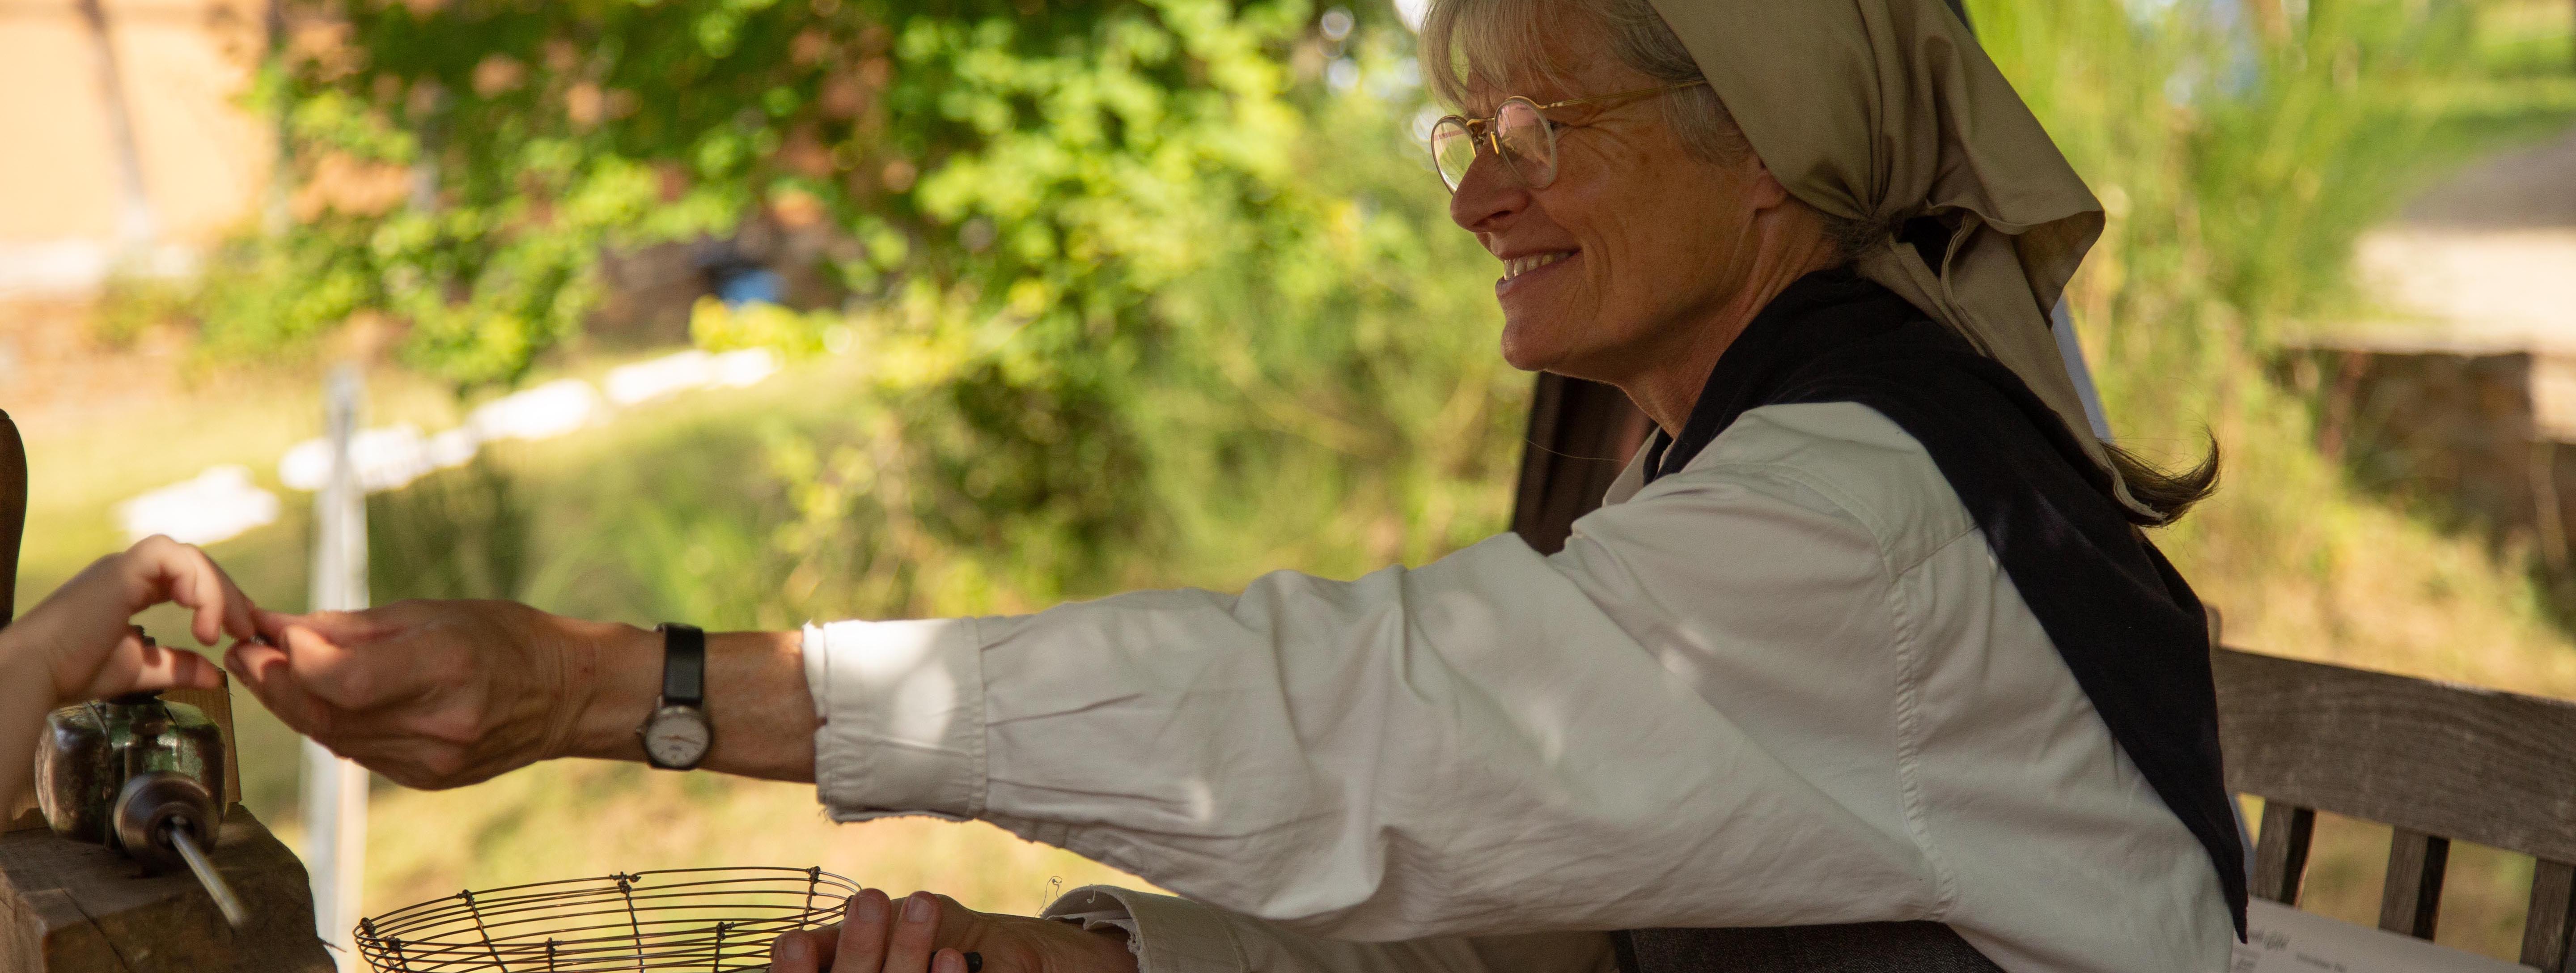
column 335, row 790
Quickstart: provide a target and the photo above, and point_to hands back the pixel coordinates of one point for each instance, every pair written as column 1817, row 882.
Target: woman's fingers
column 302, row 669
column 803, row 951
column 876, row 935
column 916, row 935
column 271, row 624
column 865, row 927
column 269, row 674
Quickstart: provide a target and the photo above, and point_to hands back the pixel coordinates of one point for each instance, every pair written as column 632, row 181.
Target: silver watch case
column 676, row 737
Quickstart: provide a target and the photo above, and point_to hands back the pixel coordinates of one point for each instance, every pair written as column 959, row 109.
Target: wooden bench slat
column 2411, row 899
column 2281, row 851
column 2553, row 909
column 2460, row 762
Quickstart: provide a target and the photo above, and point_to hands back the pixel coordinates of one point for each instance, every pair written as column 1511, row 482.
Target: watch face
column 677, row 737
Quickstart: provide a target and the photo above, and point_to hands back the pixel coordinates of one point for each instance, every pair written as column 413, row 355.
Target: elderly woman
column 1864, row 664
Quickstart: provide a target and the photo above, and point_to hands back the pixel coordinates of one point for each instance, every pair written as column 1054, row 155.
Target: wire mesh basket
column 697, row 919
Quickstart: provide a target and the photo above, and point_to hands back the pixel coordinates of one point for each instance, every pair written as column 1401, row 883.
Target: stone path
column 2487, row 259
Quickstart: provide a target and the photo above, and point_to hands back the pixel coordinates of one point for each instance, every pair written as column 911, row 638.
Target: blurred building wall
column 204, row 160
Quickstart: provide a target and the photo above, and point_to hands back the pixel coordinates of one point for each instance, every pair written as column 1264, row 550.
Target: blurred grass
column 2231, row 219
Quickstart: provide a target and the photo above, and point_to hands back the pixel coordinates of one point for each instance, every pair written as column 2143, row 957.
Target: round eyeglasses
column 1519, row 133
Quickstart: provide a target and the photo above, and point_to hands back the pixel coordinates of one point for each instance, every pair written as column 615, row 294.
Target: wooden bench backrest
column 2438, row 762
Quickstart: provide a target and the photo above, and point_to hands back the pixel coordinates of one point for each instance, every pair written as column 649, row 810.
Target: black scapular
column 2127, row 625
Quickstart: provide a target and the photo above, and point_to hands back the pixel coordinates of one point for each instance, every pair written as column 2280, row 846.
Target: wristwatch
column 677, row 735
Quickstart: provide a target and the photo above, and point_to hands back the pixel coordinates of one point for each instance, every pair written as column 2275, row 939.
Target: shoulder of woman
column 1838, row 454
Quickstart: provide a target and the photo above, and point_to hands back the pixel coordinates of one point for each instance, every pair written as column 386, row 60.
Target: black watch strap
column 684, row 665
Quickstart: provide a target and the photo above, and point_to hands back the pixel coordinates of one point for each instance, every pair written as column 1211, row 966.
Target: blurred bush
column 1119, row 271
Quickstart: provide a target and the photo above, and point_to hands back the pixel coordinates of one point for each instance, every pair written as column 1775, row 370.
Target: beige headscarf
column 1886, row 110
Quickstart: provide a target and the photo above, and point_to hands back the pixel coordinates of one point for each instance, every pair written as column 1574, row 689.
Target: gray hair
column 1500, row 44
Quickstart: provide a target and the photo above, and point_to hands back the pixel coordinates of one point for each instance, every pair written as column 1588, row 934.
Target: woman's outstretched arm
column 438, row 694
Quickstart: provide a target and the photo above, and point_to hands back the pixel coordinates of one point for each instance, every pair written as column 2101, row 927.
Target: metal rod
column 216, row 887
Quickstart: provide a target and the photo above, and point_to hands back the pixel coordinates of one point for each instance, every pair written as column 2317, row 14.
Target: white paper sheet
column 2281, row 939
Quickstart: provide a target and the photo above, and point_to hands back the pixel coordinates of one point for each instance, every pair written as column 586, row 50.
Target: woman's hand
column 431, row 694
column 933, row 934
column 82, row 639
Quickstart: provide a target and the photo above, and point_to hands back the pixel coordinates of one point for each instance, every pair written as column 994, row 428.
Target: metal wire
column 185, row 840
column 703, row 920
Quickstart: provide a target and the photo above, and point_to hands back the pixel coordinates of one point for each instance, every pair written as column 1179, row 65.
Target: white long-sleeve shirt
column 1788, row 684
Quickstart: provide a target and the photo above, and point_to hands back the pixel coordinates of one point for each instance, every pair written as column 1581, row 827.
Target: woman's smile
column 1530, row 268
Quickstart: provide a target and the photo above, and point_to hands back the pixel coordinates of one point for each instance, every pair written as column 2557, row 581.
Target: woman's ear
column 1764, row 190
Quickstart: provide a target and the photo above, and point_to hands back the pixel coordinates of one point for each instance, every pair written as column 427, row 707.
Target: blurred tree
column 1113, row 264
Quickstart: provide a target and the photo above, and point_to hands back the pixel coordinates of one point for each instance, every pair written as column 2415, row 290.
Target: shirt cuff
column 1168, row 935
column 902, row 705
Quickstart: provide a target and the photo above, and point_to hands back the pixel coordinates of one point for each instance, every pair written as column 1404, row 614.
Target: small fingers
column 951, row 961
column 231, row 608
column 196, row 583
column 138, row 664
column 162, row 569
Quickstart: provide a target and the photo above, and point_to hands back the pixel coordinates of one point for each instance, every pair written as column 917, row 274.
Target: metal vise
column 143, row 776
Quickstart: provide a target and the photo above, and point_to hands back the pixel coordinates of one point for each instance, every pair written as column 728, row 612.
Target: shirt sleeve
column 1493, row 742
column 1174, row 935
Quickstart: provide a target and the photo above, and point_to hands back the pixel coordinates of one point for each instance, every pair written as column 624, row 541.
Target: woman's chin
column 1543, row 311
column 1530, row 346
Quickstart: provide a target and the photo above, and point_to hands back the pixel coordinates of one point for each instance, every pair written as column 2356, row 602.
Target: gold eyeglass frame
column 1486, row 133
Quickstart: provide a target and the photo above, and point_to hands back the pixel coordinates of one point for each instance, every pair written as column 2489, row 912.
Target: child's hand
column 81, row 635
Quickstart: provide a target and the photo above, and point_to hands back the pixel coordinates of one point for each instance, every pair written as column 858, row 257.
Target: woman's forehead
column 1542, row 54
column 1548, row 81
column 1508, row 47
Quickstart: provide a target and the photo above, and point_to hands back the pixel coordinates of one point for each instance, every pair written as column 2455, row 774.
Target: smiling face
column 1641, row 252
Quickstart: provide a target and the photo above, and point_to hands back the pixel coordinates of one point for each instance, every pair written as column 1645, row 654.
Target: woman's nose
column 1488, row 196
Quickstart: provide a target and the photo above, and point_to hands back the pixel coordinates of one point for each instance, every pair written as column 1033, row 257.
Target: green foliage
column 1133, row 294
column 2289, row 172
column 1056, row 167
column 130, row 305
column 460, row 533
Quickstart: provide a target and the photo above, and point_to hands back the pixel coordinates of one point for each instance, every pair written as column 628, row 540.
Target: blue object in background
column 749, row 285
